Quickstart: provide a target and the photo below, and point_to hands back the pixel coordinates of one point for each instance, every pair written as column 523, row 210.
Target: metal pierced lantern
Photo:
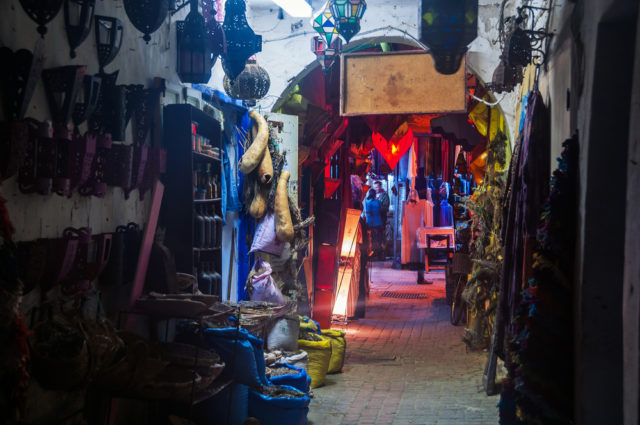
column 325, row 24
column 253, row 83
column 61, row 87
column 42, row 12
column 109, row 33
column 242, row 42
column 19, row 76
column 326, row 53
column 88, row 95
column 194, row 49
column 146, row 15
column 78, row 17
column 347, row 14
column 214, row 29
column 447, row 28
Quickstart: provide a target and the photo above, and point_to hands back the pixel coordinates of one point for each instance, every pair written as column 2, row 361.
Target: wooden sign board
column 399, row 83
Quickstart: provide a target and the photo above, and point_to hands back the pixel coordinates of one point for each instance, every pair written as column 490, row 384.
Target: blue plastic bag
column 298, row 378
column 279, row 410
column 244, row 357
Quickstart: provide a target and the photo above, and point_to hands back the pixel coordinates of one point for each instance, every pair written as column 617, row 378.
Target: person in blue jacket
column 372, row 212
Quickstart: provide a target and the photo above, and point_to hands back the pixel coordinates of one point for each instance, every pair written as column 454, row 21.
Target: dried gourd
column 265, row 169
column 258, row 207
column 284, row 225
column 253, row 155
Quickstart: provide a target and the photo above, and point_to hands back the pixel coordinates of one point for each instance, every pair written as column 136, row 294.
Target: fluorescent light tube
column 295, row 8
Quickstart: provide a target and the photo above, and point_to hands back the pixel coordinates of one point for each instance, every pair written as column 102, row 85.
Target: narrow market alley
column 405, row 362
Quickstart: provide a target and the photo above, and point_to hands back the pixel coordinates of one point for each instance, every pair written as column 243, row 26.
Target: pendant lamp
column 325, row 24
column 252, row 84
column 347, row 14
column 194, row 50
column 242, row 42
column 326, row 53
column 42, row 12
column 78, row 17
column 109, row 32
column 146, row 15
column 214, row 30
column 447, row 28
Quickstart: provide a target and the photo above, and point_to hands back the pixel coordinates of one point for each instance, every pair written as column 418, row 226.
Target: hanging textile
column 539, row 388
column 445, row 214
column 413, row 215
column 444, row 159
column 412, row 171
column 527, row 187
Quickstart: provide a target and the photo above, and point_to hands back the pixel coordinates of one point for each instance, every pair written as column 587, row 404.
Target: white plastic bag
column 264, row 287
column 264, row 239
column 284, row 335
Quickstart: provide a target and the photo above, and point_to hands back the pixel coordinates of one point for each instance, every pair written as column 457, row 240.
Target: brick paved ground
column 405, row 364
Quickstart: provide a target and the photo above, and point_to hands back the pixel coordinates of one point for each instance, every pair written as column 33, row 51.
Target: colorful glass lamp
column 326, row 53
column 325, row 24
column 347, row 14
column 447, row 29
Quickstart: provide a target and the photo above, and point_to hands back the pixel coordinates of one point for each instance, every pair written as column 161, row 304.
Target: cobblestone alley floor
column 405, row 363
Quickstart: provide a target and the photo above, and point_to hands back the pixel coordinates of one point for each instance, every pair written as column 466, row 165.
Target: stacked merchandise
column 539, row 389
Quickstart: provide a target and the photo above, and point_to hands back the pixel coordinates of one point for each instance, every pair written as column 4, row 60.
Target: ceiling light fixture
column 295, row 8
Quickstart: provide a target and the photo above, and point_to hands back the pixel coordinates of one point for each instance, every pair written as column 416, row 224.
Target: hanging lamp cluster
column 336, row 20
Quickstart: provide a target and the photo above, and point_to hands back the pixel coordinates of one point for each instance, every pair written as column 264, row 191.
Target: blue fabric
column 298, row 379
column 372, row 212
column 233, row 198
column 446, row 214
column 279, row 410
column 246, row 225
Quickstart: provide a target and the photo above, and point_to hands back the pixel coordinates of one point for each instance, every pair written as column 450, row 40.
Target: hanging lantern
column 61, row 86
column 517, row 49
column 109, row 32
column 347, row 14
column 326, row 54
column 242, row 42
column 88, row 96
column 146, row 15
column 253, row 83
column 217, row 39
column 42, row 12
column 194, row 48
column 78, row 16
column 447, row 28
column 325, row 24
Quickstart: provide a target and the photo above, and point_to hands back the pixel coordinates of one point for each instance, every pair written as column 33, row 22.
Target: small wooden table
column 423, row 233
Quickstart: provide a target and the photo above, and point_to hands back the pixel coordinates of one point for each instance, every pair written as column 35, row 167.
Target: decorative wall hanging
column 447, row 28
column 395, row 148
column 109, row 32
column 107, row 107
column 242, row 42
column 146, row 15
column 326, row 53
column 253, row 83
column 347, row 14
column 194, row 48
column 88, row 96
column 82, row 150
column 61, row 87
column 78, row 17
column 19, row 76
column 143, row 115
column 42, row 12
column 325, row 24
